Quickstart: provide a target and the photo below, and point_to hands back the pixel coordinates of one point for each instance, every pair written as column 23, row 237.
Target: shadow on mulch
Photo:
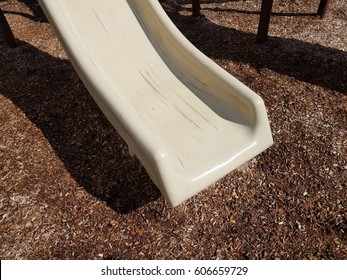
column 49, row 92
column 51, row 95
column 34, row 6
column 246, row 12
column 311, row 63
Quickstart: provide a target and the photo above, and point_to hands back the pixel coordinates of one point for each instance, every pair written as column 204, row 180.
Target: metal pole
column 322, row 9
column 264, row 20
column 6, row 30
column 196, row 8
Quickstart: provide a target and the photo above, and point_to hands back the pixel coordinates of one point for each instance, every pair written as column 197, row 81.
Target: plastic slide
column 187, row 120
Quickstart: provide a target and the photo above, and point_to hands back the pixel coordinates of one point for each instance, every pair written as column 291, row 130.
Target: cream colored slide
column 187, row 120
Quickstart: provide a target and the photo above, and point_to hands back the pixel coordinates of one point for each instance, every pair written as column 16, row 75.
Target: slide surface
column 187, row 120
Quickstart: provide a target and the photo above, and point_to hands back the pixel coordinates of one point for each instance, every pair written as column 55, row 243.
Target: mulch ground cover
column 70, row 190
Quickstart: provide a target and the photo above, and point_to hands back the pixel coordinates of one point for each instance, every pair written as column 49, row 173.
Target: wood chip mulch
column 70, row 190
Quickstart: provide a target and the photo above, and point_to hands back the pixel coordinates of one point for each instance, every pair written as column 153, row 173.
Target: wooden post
column 264, row 20
column 322, row 9
column 196, row 8
column 6, row 31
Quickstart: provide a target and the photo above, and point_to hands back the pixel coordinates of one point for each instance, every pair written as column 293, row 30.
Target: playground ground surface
column 70, row 190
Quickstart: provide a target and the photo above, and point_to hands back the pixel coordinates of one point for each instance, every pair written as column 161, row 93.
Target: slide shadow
column 51, row 95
